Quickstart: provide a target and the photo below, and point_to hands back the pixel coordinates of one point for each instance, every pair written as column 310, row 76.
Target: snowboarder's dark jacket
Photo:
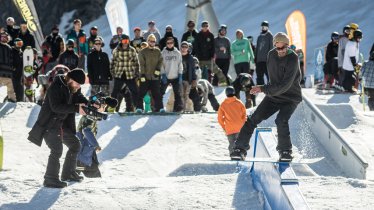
column 6, row 61
column 58, row 110
column 284, row 76
column 69, row 58
column 98, row 67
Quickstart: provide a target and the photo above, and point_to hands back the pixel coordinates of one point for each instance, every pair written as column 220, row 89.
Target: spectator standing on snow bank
column 138, row 39
column 222, row 46
column 152, row 30
column 80, row 42
column 343, row 39
column 331, row 66
column 367, row 72
column 205, row 91
column 242, row 52
column 283, row 94
column 231, row 117
column 351, row 62
column 168, row 33
column 6, row 66
column 116, row 38
column 190, row 35
column 263, row 46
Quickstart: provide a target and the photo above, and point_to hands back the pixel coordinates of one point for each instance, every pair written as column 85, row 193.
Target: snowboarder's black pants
column 178, row 105
column 348, row 80
column 242, row 67
column 265, row 109
column 18, row 88
column 154, row 87
column 224, row 65
column 127, row 89
column 54, row 138
column 261, row 69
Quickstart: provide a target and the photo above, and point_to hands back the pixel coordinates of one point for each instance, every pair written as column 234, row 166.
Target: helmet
column 230, row 91
column 245, row 79
column 334, row 35
column 347, row 27
column 265, row 23
column 357, row 34
column 70, row 42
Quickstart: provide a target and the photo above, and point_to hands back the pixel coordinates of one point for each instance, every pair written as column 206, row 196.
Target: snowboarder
column 56, row 124
column 283, row 94
column 231, row 117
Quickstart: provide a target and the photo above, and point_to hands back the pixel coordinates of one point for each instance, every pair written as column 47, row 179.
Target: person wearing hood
column 204, row 49
column 242, row 52
column 263, row 46
column 93, row 35
column 12, row 29
column 26, row 36
column 231, row 116
column 56, row 43
column 80, row 42
column 172, row 72
column 69, row 58
column 153, row 30
column 168, row 33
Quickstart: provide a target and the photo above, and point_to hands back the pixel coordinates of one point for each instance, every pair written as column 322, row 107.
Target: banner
column 116, row 12
column 28, row 13
column 319, row 54
column 296, row 30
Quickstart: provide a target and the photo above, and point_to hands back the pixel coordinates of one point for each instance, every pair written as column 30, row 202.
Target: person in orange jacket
column 231, row 116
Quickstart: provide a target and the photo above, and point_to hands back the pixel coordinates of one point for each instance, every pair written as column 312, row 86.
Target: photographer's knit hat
column 77, row 75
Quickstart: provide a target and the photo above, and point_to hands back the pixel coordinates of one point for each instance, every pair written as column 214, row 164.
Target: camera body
column 92, row 111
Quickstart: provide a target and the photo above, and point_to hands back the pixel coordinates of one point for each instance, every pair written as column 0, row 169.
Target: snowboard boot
column 54, row 183
column 73, row 177
column 238, row 154
column 285, row 156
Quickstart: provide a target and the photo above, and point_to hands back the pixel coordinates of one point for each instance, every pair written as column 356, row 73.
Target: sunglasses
column 184, row 46
column 281, row 48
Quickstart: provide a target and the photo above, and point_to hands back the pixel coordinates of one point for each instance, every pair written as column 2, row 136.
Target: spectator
column 26, row 36
column 138, row 39
column 56, row 43
column 341, row 50
column 351, row 62
column 18, row 69
column 205, row 91
column 152, row 30
column 168, row 33
column 93, row 35
column 69, row 58
column 80, row 42
column 12, row 30
column 6, row 66
column 263, row 46
column 331, row 66
column 190, row 35
column 116, row 38
column 368, row 80
column 222, row 46
column 244, row 82
column 242, row 53
column 189, row 74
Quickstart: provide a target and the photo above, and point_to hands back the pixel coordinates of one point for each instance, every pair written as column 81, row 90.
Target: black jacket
column 13, row 32
column 28, row 39
column 98, row 67
column 204, row 46
column 331, row 51
column 69, row 58
column 58, row 110
column 238, row 87
column 190, row 37
column 162, row 42
column 6, row 61
column 17, row 62
column 189, row 71
column 54, row 42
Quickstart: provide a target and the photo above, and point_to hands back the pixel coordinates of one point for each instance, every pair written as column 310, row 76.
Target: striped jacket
column 367, row 71
column 124, row 63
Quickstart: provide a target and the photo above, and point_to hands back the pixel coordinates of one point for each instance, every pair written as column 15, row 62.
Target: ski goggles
column 125, row 41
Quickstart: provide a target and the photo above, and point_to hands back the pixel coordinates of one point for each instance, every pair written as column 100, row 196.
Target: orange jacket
column 232, row 115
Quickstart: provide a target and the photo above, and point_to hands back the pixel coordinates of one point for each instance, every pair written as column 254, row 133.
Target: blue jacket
column 89, row 144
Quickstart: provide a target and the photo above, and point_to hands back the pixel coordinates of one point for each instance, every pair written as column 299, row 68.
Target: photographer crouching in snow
column 56, row 124
column 283, row 94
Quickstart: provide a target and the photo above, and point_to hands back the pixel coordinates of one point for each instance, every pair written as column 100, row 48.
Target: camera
column 98, row 99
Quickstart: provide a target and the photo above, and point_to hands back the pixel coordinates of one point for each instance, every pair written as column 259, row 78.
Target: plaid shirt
column 124, row 63
column 367, row 72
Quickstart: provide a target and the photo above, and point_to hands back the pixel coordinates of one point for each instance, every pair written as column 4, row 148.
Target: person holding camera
column 56, row 125
column 88, row 162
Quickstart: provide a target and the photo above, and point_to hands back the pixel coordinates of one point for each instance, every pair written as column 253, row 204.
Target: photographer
column 87, row 130
column 56, row 124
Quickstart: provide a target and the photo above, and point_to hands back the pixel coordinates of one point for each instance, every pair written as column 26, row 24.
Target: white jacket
column 172, row 63
column 352, row 49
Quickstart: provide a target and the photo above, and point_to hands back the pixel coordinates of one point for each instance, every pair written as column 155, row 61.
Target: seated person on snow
column 244, row 82
column 86, row 132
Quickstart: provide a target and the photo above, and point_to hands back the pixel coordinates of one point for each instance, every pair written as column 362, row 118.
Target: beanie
column 151, row 37
column 77, row 75
column 281, row 37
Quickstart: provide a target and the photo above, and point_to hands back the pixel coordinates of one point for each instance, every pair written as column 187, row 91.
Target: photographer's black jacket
column 58, row 110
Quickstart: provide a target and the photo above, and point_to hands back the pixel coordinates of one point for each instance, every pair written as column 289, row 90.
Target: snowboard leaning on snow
column 28, row 62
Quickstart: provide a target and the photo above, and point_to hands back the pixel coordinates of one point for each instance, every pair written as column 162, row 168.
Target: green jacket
column 238, row 47
column 150, row 60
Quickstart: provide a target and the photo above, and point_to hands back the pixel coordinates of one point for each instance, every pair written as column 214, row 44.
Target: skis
column 276, row 161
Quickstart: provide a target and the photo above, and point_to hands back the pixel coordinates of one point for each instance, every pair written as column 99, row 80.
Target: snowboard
column 276, row 161
column 28, row 62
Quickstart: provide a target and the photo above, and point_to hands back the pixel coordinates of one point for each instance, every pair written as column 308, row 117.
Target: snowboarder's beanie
column 77, row 75
column 151, row 37
column 281, row 37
